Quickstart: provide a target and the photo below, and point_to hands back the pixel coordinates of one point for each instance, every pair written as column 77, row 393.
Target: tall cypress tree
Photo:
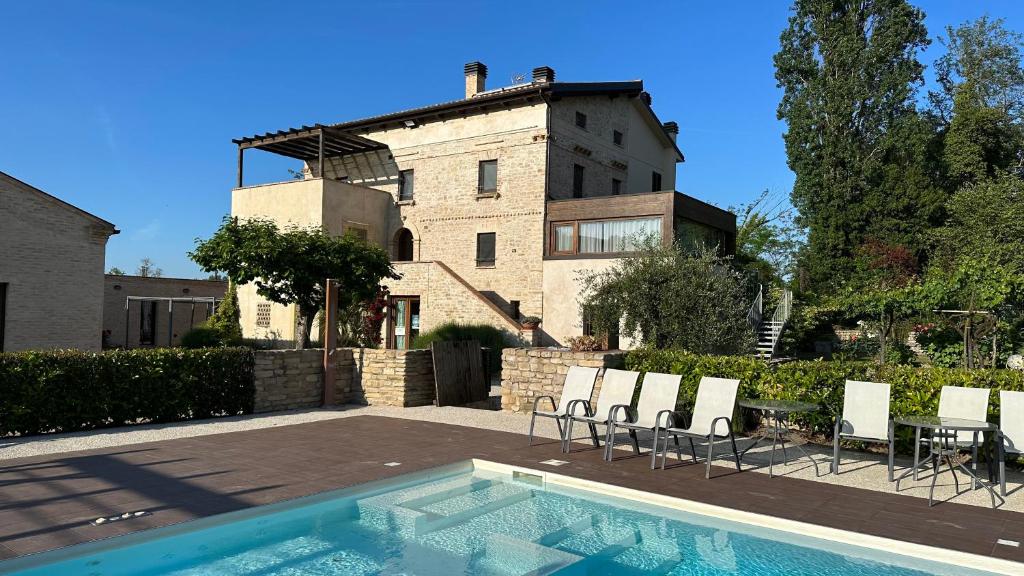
column 849, row 72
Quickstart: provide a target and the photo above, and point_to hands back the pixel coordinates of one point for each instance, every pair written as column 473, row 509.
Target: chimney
column 543, row 74
column 672, row 129
column 646, row 98
column 476, row 75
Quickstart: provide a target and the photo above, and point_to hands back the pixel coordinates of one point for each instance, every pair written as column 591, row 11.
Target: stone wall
column 527, row 373
column 293, row 379
column 393, row 377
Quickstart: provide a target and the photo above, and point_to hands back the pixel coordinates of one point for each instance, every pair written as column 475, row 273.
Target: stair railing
column 754, row 316
column 780, row 317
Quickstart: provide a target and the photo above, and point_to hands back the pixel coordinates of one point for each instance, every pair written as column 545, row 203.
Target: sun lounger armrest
column 614, row 410
column 554, row 407
column 571, row 408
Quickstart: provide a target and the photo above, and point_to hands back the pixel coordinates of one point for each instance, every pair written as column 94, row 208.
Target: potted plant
column 531, row 322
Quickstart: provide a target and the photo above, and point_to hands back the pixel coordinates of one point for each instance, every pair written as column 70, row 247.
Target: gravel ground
column 859, row 469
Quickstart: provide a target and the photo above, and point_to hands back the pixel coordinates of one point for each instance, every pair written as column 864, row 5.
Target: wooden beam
column 330, row 341
column 241, row 159
column 320, row 153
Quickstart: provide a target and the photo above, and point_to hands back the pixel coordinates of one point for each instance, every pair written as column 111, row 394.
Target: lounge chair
column 1011, row 430
column 865, row 418
column 617, row 388
column 658, row 394
column 957, row 402
column 711, row 419
column 579, row 385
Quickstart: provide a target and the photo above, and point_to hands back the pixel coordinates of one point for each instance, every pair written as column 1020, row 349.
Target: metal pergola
column 209, row 301
column 307, row 143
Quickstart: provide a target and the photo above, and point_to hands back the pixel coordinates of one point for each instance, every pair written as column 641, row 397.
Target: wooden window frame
column 392, row 300
column 486, row 263
column 480, row 177
column 581, row 120
column 582, row 171
column 655, row 175
column 553, row 242
column 617, row 138
column 616, row 187
column 401, row 185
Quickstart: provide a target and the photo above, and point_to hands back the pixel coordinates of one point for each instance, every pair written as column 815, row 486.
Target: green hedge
column 914, row 390
column 62, row 391
column 494, row 339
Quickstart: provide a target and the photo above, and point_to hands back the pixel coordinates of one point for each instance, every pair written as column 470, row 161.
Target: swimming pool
column 472, row 520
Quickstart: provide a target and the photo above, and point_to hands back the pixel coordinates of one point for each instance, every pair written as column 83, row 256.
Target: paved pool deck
column 49, row 501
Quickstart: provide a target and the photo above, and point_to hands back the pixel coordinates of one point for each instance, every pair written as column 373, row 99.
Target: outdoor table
column 779, row 411
column 946, row 452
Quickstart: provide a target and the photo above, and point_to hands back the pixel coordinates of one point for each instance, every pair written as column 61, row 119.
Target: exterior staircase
column 769, row 330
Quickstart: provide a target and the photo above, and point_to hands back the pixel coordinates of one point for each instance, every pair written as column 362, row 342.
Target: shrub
column 66, row 390
column 488, row 336
column 915, row 390
column 221, row 329
column 585, row 343
column 201, row 337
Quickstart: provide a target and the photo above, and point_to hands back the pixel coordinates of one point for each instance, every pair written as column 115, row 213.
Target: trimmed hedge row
column 914, row 390
column 66, row 390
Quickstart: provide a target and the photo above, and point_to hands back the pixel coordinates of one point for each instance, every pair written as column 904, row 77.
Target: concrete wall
column 563, row 316
column 117, row 288
column 52, row 259
column 527, row 373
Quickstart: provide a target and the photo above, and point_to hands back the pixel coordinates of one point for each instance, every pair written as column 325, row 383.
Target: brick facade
column 52, row 265
column 185, row 316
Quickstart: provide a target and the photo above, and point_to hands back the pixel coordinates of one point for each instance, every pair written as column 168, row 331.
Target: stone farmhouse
column 490, row 205
column 51, row 271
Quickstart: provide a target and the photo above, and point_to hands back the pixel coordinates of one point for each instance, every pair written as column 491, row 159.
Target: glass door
column 403, row 321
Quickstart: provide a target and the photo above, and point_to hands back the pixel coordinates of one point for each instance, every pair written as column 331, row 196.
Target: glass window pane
column 489, row 175
column 405, row 185
column 591, row 237
column 485, row 248
column 563, row 238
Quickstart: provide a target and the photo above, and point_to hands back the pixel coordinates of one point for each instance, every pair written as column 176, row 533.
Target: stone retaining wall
column 393, row 377
column 293, row 379
column 527, row 373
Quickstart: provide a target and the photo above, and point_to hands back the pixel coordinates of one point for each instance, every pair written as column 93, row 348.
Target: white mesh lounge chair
column 1011, row 430
column 616, row 389
column 957, row 402
column 711, row 419
column 658, row 394
column 579, row 385
column 865, row 418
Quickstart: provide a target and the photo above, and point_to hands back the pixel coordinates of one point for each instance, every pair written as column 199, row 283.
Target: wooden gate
column 459, row 373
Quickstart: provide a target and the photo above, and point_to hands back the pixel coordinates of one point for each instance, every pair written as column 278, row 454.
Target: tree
column 226, row 320
column 147, row 269
column 986, row 221
column 986, row 57
column 216, row 276
column 849, row 72
column 115, row 271
column 669, row 297
column 767, row 240
column 291, row 266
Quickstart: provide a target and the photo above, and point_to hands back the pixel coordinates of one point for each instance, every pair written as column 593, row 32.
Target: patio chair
column 865, row 418
column 579, row 385
column 711, row 420
column 616, row 389
column 658, row 394
column 1010, row 437
column 957, row 402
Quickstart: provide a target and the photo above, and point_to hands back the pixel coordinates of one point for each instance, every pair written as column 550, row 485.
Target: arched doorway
column 403, row 246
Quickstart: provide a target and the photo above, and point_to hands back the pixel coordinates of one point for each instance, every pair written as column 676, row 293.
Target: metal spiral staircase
column 769, row 330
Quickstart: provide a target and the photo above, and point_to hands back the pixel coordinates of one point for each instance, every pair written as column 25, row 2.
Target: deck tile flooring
column 50, row 501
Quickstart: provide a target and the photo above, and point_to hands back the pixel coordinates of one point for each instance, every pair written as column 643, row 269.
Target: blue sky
column 127, row 109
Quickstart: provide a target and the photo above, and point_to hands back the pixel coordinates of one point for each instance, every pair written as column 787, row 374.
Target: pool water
column 472, row 523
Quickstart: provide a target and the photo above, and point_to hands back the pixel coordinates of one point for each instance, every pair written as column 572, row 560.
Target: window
column 655, row 182
column 577, row 181
column 610, row 340
column 563, row 239
column 485, row 249
column 616, row 186
column 403, row 321
column 581, row 120
column 405, row 183
column 403, row 246
column 616, row 235
column 263, row 315
column 357, row 233
column 616, row 137
column 147, row 322
column 3, row 313
column 488, row 176
column 514, row 305
column 694, row 236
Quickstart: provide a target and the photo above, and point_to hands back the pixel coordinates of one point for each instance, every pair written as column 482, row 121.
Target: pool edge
column 900, row 547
